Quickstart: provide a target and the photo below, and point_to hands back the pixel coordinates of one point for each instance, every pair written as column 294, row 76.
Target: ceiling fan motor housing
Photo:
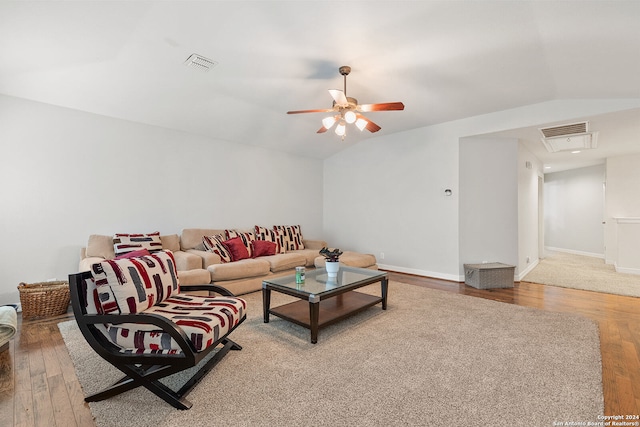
column 344, row 70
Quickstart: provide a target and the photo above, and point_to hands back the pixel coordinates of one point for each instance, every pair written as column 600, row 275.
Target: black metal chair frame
column 147, row 369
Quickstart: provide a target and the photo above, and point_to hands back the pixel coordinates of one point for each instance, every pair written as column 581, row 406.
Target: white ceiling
column 445, row 60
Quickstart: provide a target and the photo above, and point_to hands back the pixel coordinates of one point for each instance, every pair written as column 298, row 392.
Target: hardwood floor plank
column 52, row 365
column 62, row 410
column 7, row 385
column 23, row 409
column 609, row 377
column 632, row 365
column 626, row 398
column 81, row 411
column 42, row 405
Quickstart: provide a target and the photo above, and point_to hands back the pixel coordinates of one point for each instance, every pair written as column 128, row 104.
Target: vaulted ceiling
column 444, row 60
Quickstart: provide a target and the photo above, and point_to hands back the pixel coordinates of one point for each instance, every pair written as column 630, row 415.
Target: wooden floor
column 38, row 385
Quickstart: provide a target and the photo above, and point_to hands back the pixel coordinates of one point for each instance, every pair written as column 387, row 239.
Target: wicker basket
column 44, row 299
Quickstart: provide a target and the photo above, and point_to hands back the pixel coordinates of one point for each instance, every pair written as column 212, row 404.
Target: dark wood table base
column 317, row 315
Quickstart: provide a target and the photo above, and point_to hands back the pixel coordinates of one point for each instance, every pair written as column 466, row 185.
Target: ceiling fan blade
column 386, row 106
column 324, row 110
column 322, row 130
column 339, row 97
column 371, row 127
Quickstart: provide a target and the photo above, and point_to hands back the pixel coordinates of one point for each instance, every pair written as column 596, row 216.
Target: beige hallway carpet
column 431, row 359
column 583, row 272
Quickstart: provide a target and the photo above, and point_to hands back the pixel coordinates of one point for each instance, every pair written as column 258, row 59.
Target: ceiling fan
column 346, row 110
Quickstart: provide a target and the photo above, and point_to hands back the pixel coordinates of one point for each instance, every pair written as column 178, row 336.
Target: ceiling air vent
column 199, row 62
column 569, row 137
column 564, row 130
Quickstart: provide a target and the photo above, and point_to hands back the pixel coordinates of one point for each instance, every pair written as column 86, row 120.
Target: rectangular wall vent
column 199, row 62
column 564, row 130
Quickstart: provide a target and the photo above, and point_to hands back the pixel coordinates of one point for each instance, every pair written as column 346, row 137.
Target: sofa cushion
column 213, row 318
column 262, row 248
column 281, row 262
column 310, row 255
column 236, row 248
column 123, row 243
column 351, row 259
column 100, row 246
column 271, row 235
column 191, row 238
column 246, row 237
column 170, row 242
column 215, row 244
column 292, row 236
column 251, row 267
column 132, row 285
column 198, row 276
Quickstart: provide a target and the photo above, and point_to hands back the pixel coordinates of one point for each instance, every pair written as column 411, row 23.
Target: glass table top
column 317, row 281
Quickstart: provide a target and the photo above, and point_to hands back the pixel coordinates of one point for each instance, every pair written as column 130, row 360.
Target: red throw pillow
column 134, row 254
column 263, row 248
column 236, row 248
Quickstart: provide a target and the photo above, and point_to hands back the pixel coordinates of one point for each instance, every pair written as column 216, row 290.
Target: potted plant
column 332, row 260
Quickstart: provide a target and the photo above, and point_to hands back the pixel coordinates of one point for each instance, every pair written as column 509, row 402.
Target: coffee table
column 323, row 300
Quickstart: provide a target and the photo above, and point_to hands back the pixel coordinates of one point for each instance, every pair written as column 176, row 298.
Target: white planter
column 332, row 268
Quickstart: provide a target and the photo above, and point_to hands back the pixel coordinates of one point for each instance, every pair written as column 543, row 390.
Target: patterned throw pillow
column 132, row 285
column 271, row 235
column 247, row 238
column 123, row 243
column 292, row 236
column 214, row 244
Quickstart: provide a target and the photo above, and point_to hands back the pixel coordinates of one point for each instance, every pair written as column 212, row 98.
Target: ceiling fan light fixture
column 341, row 128
column 327, row 122
column 350, row 117
column 361, row 124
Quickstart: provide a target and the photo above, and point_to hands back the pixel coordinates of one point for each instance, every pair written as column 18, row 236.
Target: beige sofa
column 196, row 265
column 189, row 266
column 246, row 275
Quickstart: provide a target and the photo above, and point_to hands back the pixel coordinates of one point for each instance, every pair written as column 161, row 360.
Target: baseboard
column 626, row 270
column 416, row 272
column 527, row 270
column 571, row 251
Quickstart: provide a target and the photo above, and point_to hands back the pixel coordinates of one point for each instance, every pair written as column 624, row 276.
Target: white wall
column 488, row 217
column 574, row 210
column 386, row 194
column 66, row 174
column 529, row 201
column 623, row 186
column 622, row 200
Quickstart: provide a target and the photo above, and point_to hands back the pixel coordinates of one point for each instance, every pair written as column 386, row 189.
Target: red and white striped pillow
column 292, row 236
column 215, row 244
column 271, row 235
column 123, row 243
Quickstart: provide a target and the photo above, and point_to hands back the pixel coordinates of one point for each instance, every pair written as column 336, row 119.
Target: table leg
column 314, row 313
column 385, row 288
column 266, row 303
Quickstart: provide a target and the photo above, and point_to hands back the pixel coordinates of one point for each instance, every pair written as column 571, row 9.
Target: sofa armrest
column 314, row 244
column 186, row 261
column 86, row 263
column 208, row 258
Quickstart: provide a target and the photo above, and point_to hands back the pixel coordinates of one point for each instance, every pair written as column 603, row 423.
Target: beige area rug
column 583, row 272
column 431, row 359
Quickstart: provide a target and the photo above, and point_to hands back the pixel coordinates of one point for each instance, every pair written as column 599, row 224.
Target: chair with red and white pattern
column 135, row 315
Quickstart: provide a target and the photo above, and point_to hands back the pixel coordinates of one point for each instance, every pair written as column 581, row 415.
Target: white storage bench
column 489, row 275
